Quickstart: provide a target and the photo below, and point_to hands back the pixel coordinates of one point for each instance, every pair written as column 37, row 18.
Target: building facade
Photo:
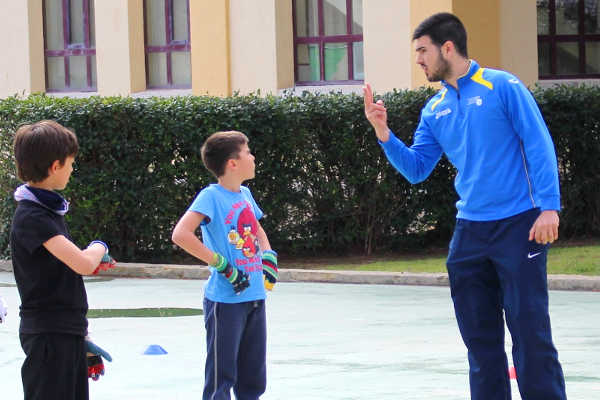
column 218, row 47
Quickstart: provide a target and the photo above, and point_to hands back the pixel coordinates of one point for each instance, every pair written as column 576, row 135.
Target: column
column 284, row 44
column 482, row 21
column 387, row 45
column 518, row 39
column 209, row 34
column 261, row 45
column 120, row 55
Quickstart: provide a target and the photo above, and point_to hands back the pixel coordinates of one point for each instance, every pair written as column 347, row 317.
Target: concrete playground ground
column 379, row 339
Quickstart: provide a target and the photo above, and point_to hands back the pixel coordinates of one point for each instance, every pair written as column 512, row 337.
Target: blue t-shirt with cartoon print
column 230, row 229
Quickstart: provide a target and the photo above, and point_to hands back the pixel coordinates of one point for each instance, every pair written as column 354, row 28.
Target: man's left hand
column 3, row 310
column 545, row 227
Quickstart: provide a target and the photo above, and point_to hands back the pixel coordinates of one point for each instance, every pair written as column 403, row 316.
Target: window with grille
column 69, row 45
column 568, row 39
column 167, row 30
column 328, row 42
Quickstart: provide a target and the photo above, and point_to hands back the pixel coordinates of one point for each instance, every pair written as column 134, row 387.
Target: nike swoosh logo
column 529, row 255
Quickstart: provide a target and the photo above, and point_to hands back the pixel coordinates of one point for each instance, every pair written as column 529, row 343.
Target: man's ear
column 447, row 48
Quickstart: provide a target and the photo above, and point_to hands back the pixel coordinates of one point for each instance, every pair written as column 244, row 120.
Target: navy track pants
column 236, row 336
column 55, row 367
column 493, row 267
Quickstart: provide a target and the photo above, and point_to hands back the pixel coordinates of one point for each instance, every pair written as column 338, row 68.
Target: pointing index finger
column 368, row 95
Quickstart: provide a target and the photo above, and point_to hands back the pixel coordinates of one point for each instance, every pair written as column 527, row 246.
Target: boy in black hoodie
column 48, row 269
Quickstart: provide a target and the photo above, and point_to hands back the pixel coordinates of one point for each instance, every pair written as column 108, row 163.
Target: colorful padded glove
column 270, row 271
column 239, row 279
column 3, row 310
column 106, row 262
column 94, row 359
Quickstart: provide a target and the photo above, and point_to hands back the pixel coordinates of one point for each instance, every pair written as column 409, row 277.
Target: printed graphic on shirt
column 242, row 236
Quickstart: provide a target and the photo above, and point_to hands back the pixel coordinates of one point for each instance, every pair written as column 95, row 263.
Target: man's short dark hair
column 38, row 145
column 442, row 27
column 221, row 147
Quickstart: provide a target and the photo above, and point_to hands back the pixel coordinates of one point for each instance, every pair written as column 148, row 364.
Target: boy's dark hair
column 38, row 145
column 221, row 147
column 442, row 27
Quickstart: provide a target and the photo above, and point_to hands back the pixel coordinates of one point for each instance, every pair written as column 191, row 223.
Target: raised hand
column 376, row 113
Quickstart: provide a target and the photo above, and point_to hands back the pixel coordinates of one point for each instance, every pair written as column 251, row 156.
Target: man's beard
column 441, row 72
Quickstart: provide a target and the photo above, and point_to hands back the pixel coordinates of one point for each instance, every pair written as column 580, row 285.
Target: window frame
column 581, row 38
column 321, row 39
column 71, row 49
column 170, row 47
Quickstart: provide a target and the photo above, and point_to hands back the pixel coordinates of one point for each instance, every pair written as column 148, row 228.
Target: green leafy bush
column 322, row 179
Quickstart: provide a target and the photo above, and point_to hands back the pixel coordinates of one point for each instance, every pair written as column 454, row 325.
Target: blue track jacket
column 492, row 131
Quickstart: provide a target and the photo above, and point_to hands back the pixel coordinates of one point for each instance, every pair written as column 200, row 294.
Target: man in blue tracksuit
column 490, row 128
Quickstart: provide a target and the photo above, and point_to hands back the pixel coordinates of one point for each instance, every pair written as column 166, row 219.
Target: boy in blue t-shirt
column 242, row 265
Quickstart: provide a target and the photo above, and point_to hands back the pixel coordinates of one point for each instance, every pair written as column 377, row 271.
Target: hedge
column 322, row 179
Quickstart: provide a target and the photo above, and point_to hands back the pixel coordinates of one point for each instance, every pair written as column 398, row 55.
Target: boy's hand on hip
column 239, row 279
column 545, row 227
column 241, row 282
column 270, row 271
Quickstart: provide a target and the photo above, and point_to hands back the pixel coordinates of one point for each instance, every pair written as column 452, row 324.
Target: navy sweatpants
column 55, row 367
column 236, row 340
column 493, row 267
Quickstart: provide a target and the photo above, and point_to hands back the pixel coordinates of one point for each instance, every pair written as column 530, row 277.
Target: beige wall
column 386, row 33
column 120, row 54
column 518, row 39
column 261, row 45
column 22, row 61
column 209, row 31
column 253, row 46
column 284, row 37
column 482, row 21
column 37, row 66
column 137, row 51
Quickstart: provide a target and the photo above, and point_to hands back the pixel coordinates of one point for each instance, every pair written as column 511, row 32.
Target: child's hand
column 239, row 279
column 241, row 282
column 3, row 310
column 270, row 271
column 106, row 262
column 94, row 359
